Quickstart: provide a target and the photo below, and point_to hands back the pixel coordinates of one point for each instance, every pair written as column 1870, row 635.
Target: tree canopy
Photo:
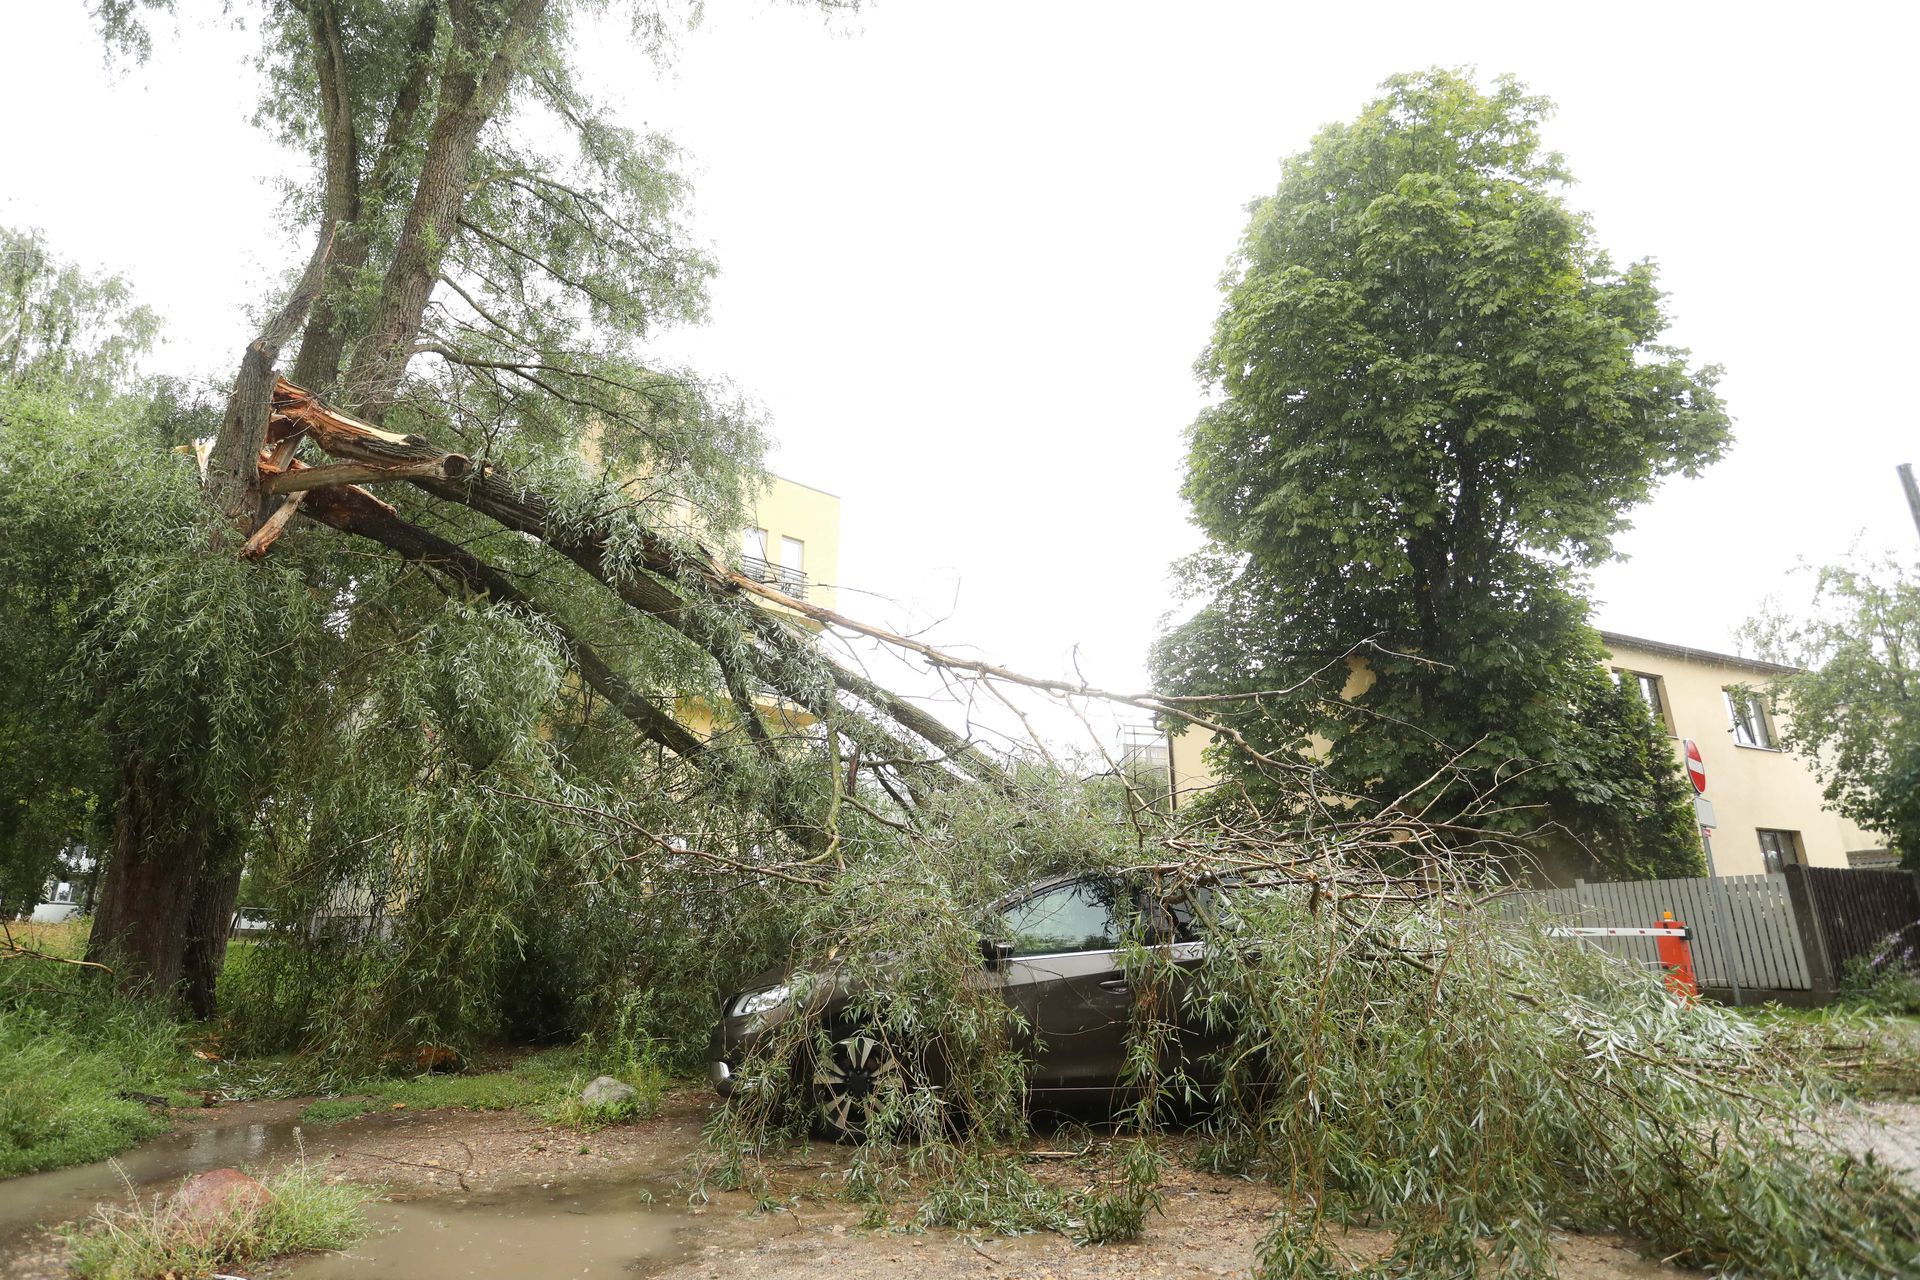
column 68, row 340
column 1854, row 705
column 1435, row 401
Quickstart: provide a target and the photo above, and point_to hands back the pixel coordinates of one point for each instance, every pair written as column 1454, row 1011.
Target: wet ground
column 463, row 1186
column 478, row 1194
column 604, row 1229
column 248, row 1134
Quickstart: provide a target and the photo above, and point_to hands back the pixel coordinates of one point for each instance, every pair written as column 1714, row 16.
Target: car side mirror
column 996, row 952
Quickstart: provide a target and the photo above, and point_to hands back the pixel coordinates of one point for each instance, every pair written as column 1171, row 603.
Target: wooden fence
column 1855, row 912
column 1761, row 944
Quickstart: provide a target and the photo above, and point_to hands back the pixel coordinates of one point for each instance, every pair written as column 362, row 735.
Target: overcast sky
column 970, row 252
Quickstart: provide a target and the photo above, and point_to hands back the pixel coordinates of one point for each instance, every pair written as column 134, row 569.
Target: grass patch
column 78, row 1062
column 649, row 1083
column 1871, row 1054
column 546, row 1084
column 153, row 1240
column 334, row 1110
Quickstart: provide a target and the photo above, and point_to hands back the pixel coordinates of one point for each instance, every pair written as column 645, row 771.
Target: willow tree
column 68, row 339
column 1436, row 399
column 491, row 251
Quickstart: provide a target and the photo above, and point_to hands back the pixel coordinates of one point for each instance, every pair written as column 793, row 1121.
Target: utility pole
column 1913, row 492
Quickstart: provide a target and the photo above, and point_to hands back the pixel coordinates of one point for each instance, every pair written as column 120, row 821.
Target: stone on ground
column 207, row 1202
column 605, row 1091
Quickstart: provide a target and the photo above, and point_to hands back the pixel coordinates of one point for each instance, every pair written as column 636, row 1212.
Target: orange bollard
column 1676, row 957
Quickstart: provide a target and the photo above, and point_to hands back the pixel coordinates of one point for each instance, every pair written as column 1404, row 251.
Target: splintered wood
column 369, row 455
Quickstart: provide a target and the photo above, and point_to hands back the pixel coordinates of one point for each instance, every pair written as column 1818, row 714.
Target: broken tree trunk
column 357, row 512
column 233, row 468
column 796, row 668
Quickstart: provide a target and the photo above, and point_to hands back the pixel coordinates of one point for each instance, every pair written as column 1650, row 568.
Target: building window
column 1653, row 692
column 793, row 555
column 1751, row 728
column 1779, row 848
column 63, row 892
column 753, row 545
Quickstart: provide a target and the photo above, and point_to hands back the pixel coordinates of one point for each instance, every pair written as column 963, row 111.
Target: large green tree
column 1435, row 399
column 1854, row 705
column 387, row 700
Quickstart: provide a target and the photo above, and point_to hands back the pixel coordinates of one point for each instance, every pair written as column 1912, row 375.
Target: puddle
column 584, row 1231
column 63, row 1195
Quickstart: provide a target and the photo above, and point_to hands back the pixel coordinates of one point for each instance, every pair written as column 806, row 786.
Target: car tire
column 853, row 1082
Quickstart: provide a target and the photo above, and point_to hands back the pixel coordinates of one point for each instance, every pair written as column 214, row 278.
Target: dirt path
column 1211, row 1226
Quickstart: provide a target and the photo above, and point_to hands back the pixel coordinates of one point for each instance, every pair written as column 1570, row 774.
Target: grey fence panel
column 1759, row 942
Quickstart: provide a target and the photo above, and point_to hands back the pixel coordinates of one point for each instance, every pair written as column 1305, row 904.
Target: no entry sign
column 1696, row 767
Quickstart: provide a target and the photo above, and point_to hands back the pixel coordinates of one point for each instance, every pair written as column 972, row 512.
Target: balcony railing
column 791, row 581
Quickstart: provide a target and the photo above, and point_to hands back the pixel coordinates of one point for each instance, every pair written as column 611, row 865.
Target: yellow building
column 793, row 541
column 1767, row 802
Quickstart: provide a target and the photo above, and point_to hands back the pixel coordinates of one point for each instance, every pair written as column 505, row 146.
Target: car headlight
column 759, row 1001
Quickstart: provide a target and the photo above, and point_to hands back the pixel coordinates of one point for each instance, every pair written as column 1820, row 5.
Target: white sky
column 969, row 255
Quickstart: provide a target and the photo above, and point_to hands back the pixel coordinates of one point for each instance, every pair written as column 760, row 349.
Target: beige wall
column 794, row 510
column 1752, row 788
column 1188, row 774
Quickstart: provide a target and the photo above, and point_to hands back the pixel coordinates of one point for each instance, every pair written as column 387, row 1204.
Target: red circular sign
column 1696, row 767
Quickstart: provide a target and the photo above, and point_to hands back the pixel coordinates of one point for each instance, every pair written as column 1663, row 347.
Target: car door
column 1191, row 1042
column 1064, row 976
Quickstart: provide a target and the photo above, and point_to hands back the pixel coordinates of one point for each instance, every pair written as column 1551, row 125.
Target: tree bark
column 140, row 924
column 468, row 98
column 209, row 922
column 233, row 469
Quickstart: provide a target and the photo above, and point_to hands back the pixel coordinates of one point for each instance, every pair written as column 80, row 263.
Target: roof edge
column 1615, row 638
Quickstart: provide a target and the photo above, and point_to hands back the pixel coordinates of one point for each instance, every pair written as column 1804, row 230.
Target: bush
column 150, row 1241
column 1888, row 980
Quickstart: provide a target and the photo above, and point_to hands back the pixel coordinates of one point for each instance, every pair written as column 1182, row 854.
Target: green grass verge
column 546, row 1084
column 334, row 1110
column 149, row 1241
column 78, row 1064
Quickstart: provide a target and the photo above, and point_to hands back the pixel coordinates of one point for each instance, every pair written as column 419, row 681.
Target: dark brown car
column 1052, row 950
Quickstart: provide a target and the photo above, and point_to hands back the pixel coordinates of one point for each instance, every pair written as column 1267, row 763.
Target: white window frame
column 751, row 538
column 1744, row 727
column 797, row 562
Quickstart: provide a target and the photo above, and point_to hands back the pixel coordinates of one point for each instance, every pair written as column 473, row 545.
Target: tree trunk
column 473, row 84
column 160, row 838
column 209, row 923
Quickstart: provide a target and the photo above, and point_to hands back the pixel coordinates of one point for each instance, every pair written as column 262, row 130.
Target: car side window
column 1193, row 911
column 1070, row 917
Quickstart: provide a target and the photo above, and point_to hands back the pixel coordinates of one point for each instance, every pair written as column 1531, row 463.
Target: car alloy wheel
column 852, row 1083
